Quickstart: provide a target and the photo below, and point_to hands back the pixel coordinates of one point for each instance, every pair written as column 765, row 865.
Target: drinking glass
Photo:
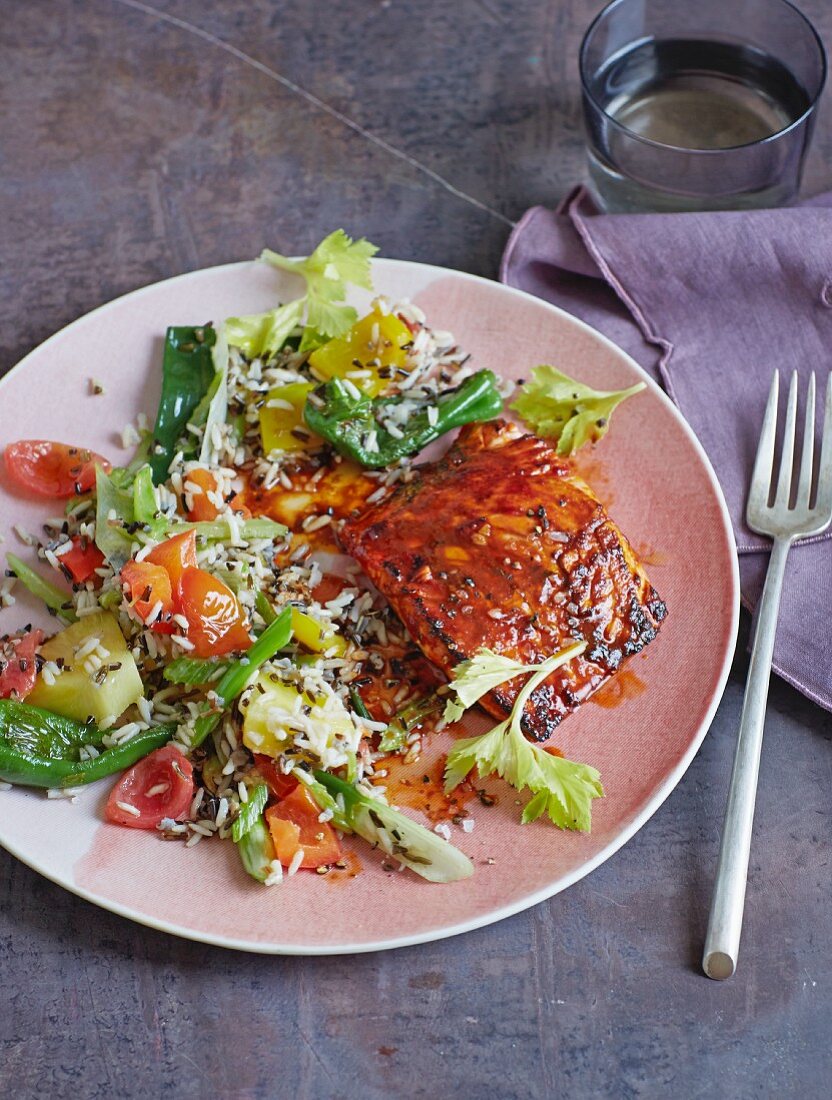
column 701, row 105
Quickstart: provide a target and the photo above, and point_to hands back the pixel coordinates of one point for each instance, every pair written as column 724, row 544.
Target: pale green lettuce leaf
column 114, row 512
column 261, row 335
column 217, row 396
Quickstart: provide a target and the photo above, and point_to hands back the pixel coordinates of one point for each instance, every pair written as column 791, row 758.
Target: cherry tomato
column 83, row 559
column 18, row 665
column 175, row 555
column 293, row 824
column 149, row 585
column 52, row 469
column 201, row 507
column 278, row 783
column 216, row 620
column 161, row 785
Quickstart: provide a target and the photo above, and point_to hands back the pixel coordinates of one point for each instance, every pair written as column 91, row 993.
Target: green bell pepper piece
column 42, row 749
column 187, row 373
column 350, row 422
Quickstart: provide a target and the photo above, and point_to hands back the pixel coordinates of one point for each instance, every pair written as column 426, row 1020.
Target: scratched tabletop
column 138, row 142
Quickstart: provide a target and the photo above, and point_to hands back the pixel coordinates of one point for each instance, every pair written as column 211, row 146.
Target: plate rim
column 671, row 780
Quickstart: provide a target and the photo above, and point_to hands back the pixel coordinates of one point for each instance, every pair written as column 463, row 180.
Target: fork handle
column 725, row 921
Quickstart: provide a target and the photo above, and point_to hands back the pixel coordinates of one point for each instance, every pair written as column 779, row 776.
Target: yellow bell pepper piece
column 283, row 412
column 263, row 731
column 310, row 633
column 376, row 341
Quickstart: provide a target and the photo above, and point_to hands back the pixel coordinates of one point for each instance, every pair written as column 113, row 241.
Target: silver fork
column 784, row 523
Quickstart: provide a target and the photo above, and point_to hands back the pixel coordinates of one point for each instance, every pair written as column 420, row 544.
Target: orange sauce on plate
column 419, row 785
column 626, row 684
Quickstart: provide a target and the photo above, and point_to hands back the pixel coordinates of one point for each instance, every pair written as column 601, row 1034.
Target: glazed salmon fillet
column 500, row 544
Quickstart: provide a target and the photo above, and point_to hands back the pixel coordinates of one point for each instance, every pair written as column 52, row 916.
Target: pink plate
column 650, row 471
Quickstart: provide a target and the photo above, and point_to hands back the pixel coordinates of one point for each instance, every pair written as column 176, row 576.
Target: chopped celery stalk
column 402, row 838
column 75, row 502
column 193, row 670
column 219, row 529
column 251, row 812
column 232, row 577
column 111, row 599
column 256, row 850
column 264, row 607
column 275, row 637
column 205, row 724
column 124, row 476
column 56, row 599
column 144, row 496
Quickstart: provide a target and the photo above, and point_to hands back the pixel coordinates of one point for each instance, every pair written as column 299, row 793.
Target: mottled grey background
column 137, row 143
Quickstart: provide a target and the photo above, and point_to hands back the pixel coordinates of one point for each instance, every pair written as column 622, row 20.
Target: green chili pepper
column 353, row 423
column 187, row 373
column 42, row 749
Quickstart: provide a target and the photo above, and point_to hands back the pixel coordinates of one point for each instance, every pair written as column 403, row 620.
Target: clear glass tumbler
column 701, row 105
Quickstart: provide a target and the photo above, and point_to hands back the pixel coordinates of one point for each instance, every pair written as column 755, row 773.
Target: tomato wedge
column 82, row 560
column 293, row 824
column 18, row 664
column 175, row 555
column 161, row 785
column 216, row 622
column 50, row 469
column 149, row 585
column 278, row 783
column 202, row 509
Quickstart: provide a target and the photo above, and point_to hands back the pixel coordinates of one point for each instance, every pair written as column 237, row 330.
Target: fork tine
column 784, row 481
column 764, row 462
column 804, row 487
column 824, row 499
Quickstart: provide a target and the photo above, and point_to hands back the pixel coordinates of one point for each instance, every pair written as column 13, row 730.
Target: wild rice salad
column 217, row 650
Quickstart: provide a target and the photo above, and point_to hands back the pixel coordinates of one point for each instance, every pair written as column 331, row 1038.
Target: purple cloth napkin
column 709, row 304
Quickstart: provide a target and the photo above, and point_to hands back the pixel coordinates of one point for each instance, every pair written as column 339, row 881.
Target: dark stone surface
column 133, row 148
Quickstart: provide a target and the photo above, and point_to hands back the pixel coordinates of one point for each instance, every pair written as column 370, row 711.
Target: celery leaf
column 562, row 789
column 335, row 263
column 555, row 406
